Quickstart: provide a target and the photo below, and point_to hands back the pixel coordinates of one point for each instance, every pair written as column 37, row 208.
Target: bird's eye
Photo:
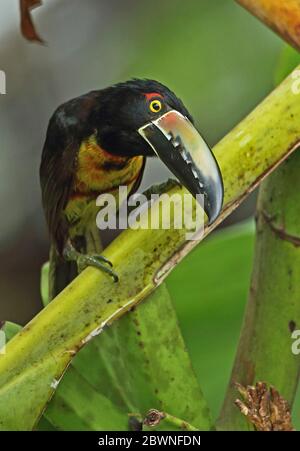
column 155, row 106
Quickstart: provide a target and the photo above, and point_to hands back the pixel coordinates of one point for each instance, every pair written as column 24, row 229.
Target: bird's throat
column 99, row 171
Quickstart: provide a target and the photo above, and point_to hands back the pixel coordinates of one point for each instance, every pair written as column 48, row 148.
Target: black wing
column 67, row 128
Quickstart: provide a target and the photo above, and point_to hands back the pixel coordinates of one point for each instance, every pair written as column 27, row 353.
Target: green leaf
column 10, row 329
column 111, row 382
column 218, row 276
column 44, row 285
column 289, row 59
column 209, row 289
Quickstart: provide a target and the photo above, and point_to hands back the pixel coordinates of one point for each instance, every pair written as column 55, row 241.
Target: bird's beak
column 182, row 149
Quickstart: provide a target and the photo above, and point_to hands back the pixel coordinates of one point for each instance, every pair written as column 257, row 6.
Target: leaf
column 122, row 381
column 27, row 27
column 44, row 285
column 217, row 274
column 288, row 60
column 209, row 289
column 10, row 329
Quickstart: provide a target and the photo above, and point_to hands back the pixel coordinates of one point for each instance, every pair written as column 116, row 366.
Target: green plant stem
column 37, row 357
column 273, row 310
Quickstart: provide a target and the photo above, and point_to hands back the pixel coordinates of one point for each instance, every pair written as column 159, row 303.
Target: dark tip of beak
column 213, row 200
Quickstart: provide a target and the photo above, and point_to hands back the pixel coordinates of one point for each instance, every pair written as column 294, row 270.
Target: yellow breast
column 98, row 172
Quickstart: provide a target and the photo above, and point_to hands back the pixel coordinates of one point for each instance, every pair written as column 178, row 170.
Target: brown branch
column 27, row 27
column 282, row 16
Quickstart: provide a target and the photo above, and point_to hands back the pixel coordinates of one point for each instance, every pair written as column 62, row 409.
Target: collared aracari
column 99, row 141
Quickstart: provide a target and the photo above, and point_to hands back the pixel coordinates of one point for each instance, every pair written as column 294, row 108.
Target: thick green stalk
column 273, row 310
column 37, row 357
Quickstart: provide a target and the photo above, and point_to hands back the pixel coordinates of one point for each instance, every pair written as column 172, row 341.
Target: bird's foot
column 84, row 260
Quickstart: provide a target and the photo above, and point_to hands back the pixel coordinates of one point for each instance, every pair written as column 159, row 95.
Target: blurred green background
column 218, row 58
column 215, row 56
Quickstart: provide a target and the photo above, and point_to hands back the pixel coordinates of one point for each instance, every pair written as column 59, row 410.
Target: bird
column 99, row 141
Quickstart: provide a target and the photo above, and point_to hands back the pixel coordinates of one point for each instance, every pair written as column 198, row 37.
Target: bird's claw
column 98, row 261
column 84, row 260
column 103, row 259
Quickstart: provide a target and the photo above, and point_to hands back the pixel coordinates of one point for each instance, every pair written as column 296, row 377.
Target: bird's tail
column 61, row 273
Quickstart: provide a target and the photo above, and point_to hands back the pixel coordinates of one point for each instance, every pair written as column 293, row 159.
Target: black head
column 144, row 117
column 125, row 107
